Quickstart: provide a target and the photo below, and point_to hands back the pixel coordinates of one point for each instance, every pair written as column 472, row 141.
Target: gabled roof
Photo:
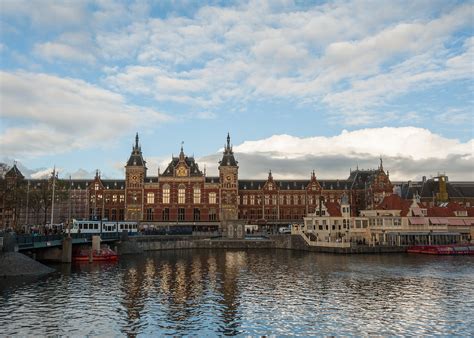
column 333, row 209
column 14, row 172
column 187, row 160
column 395, row 202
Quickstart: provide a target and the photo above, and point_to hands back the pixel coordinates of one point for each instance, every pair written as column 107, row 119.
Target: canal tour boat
column 103, row 254
column 454, row 249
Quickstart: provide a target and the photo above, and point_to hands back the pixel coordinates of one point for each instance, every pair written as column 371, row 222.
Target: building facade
column 184, row 195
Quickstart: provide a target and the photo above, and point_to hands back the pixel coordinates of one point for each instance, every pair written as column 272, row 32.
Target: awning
column 443, row 221
column 434, row 220
column 416, row 220
column 456, row 222
column 469, row 221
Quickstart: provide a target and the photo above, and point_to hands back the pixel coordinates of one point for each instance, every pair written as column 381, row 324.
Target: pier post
column 66, row 255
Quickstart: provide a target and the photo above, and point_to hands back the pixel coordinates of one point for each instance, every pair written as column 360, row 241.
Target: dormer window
column 460, row 213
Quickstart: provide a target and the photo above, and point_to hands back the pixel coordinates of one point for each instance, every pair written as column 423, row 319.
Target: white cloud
column 52, row 51
column 407, row 142
column 332, row 53
column 408, row 153
column 49, row 114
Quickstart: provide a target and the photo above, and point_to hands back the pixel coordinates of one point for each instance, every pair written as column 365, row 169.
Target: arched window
column 181, row 194
column 166, row 193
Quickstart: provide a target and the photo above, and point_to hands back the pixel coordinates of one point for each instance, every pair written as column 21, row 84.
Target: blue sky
column 299, row 85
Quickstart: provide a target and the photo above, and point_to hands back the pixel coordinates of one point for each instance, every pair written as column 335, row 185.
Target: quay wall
column 138, row 245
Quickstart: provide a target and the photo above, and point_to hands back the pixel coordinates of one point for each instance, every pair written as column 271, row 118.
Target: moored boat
column 103, row 254
column 454, row 249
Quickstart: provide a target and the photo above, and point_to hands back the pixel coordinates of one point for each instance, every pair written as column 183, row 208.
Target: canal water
column 267, row 292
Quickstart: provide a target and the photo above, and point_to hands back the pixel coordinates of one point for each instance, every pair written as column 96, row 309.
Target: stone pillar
column 9, row 242
column 95, row 243
column 66, row 255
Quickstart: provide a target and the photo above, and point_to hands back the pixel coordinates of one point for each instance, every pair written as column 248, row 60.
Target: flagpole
column 52, row 199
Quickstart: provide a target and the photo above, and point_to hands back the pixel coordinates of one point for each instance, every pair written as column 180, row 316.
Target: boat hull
column 97, row 256
column 442, row 249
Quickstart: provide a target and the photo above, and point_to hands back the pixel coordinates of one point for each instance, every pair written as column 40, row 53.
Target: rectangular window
column 252, row 199
column 150, row 198
column 166, row 214
column 181, row 195
column 114, row 214
column 244, row 200
column 114, row 198
column 106, row 214
column 197, row 214
column 122, row 198
column 166, row 194
column 149, row 214
column 212, row 214
column 267, row 200
column 121, row 214
column 212, row 198
column 274, row 199
column 180, row 214
column 197, row 195
column 282, row 199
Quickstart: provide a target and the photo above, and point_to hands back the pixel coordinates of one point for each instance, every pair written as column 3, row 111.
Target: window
column 122, row 198
column 180, row 214
column 311, row 200
column 181, row 194
column 150, row 198
column 166, row 214
column 212, row 198
column 106, row 214
column 267, row 200
column 114, row 198
column 121, row 214
column 282, row 199
column 244, row 200
column 274, row 199
column 212, row 214
column 149, row 214
column 197, row 214
column 197, row 195
column 166, row 194
column 96, row 186
column 252, row 199
column 114, row 214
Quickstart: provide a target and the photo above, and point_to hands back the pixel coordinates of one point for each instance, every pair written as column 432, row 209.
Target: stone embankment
column 137, row 245
column 15, row 264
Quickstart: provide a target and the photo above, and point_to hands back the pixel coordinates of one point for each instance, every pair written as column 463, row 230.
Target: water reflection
column 246, row 292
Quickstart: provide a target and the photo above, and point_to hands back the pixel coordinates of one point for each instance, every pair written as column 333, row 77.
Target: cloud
column 332, row 54
column 407, row 152
column 52, row 51
column 49, row 115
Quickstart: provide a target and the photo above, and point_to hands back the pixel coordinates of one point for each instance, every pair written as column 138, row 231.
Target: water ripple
column 278, row 292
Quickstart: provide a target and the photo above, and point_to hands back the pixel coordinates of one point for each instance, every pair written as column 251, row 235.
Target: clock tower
column 135, row 173
column 228, row 178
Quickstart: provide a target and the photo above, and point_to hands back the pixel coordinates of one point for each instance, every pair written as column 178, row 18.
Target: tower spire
column 136, row 141
column 381, row 163
column 228, row 140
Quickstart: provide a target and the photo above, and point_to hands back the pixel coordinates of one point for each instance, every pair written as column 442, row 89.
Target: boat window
column 96, row 226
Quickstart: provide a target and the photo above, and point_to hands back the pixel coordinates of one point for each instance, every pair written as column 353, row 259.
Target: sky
column 299, row 85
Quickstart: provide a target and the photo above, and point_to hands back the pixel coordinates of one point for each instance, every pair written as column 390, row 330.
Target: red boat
column 104, row 254
column 454, row 249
